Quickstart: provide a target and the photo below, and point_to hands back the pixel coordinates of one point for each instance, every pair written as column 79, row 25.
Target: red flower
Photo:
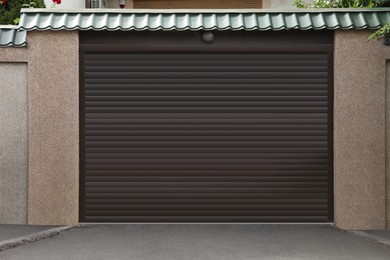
column 5, row 5
column 57, row 1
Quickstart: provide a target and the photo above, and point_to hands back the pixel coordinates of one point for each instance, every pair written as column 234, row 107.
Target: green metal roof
column 250, row 19
column 11, row 37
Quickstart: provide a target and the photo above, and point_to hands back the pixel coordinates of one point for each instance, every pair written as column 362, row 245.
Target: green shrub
column 383, row 3
column 343, row 4
column 382, row 33
column 10, row 12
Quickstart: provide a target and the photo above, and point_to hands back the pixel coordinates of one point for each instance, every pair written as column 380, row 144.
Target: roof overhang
column 204, row 19
column 195, row 19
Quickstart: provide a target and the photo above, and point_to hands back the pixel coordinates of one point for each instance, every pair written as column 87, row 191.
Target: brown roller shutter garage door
column 177, row 130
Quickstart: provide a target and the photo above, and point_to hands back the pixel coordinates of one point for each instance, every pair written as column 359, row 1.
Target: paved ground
column 201, row 242
column 14, row 231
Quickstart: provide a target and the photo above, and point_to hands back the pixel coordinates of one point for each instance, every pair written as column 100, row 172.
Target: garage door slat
column 222, row 132
column 193, row 207
column 217, row 59
column 206, row 74
column 206, row 156
column 115, row 68
column 221, row 195
column 187, row 167
column 209, row 127
column 196, row 144
column 167, row 98
column 204, row 90
column 307, row 109
column 208, row 213
column 206, row 219
column 233, row 121
column 207, row 201
column 196, row 178
column 206, row 184
column 205, row 161
column 202, row 173
column 199, row 80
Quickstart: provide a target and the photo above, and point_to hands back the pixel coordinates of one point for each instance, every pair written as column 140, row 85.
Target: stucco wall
column 280, row 4
column 359, row 130
column 54, row 127
column 387, row 144
column 13, row 143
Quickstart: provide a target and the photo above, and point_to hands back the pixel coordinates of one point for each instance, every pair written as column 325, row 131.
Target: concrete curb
column 371, row 237
column 24, row 240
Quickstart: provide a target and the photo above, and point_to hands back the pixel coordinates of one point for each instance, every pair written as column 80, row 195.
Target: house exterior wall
column 197, row 4
column 361, row 96
column 75, row 4
column 280, row 4
column 359, row 130
column 66, row 4
column 13, row 143
column 115, row 4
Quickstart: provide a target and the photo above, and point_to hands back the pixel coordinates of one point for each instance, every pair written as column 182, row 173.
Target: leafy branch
column 338, row 4
column 382, row 33
column 10, row 9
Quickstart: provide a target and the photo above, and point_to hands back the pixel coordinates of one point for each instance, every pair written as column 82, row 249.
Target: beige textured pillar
column 53, row 70
column 388, row 144
column 359, row 130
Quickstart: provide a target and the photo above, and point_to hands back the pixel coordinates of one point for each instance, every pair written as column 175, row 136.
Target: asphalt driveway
column 14, row 231
column 152, row 241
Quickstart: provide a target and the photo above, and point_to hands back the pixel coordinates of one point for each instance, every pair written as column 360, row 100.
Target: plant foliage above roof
column 10, row 9
column 343, row 4
column 382, row 33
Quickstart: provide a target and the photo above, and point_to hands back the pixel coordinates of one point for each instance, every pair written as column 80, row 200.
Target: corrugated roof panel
column 136, row 19
column 12, row 37
column 263, row 20
column 292, row 20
